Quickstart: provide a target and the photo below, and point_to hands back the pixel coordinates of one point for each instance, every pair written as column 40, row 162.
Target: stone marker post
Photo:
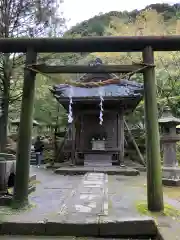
column 169, row 137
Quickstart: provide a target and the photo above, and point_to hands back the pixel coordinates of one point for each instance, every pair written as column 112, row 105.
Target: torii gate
column 145, row 44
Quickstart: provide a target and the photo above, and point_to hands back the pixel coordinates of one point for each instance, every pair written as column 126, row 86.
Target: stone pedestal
column 169, row 153
column 170, row 170
column 171, row 176
column 7, row 167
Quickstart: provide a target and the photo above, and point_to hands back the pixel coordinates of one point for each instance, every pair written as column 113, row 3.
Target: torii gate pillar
column 25, row 131
column 153, row 158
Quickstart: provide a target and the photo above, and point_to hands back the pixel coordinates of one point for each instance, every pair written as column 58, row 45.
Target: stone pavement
column 93, row 198
column 126, row 192
column 51, row 193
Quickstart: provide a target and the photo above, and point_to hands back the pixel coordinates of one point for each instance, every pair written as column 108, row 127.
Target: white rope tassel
column 101, row 107
column 70, row 114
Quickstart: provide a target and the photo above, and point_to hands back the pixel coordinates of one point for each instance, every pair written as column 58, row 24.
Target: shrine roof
column 124, row 88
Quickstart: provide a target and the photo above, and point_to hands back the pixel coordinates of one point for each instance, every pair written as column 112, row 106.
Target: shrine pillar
column 121, row 138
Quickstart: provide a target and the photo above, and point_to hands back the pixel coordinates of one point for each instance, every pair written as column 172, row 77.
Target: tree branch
column 15, row 98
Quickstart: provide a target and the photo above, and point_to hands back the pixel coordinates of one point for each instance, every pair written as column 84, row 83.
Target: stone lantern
column 169, row 137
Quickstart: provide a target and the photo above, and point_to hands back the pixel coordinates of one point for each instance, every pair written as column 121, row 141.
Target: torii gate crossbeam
column 91, row 44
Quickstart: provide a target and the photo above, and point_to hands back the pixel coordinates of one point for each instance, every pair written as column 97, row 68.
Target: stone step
column 110, row 170
column 96, row 164
column 8, row 237
column 119, row 228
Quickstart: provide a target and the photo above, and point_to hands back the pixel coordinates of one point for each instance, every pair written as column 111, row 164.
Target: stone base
column 5, row 200
column 32, row 178
column 171, row 176
column 31, row 189
column 141, row 169
column 171, row 182
column 171, row 172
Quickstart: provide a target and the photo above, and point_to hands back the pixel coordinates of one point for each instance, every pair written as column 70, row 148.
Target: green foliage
column 98, row 25
column 47, row 110
column 94, row 26
column 168, row 210
column 25, row 18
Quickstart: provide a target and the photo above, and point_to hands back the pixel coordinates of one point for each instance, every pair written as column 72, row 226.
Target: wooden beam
column 25, row 131
column 135, row 144
column 153, row 158
column 91, row 44
column 93, row 111
column 88, row 69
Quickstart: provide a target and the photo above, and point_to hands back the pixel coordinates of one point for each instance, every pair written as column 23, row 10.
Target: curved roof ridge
column 96, row 63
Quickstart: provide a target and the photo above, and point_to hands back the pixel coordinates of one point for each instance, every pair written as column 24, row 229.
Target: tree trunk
column 4, row 121
column 6, row 75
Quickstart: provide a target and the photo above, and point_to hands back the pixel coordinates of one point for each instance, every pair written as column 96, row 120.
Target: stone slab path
column 88, row 201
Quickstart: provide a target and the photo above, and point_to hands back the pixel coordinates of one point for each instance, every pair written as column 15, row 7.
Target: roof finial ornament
column 96, row 62
column 167, row 112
